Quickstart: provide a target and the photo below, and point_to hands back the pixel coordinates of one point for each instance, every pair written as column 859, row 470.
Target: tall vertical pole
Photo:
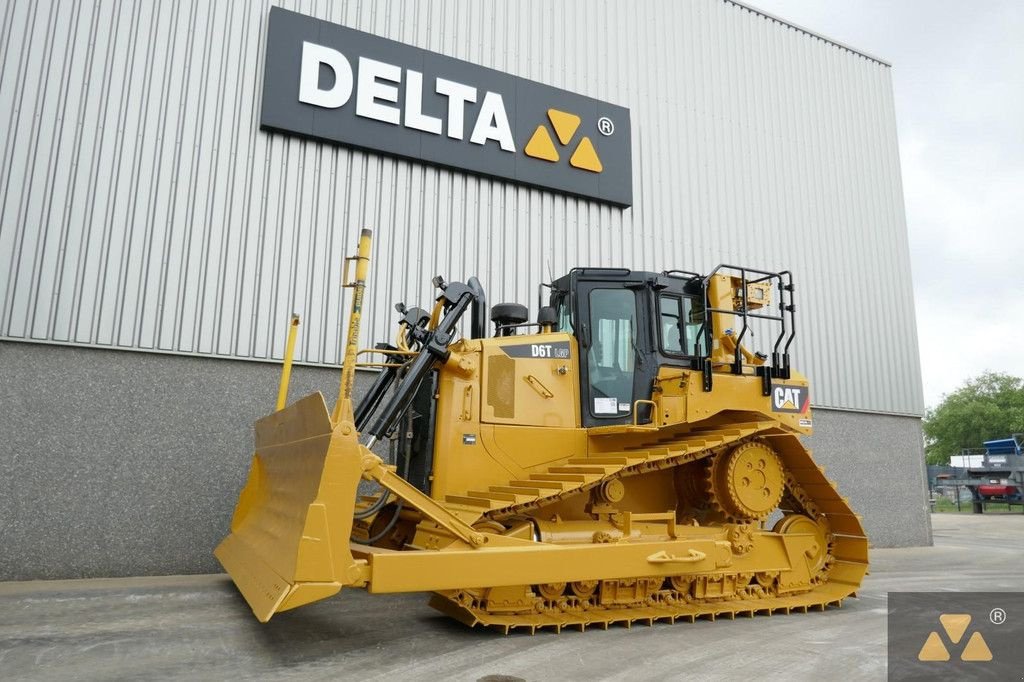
column 343, row 408
column 286, row 371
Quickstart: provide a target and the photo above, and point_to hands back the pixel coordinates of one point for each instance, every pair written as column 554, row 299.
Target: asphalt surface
column 198, row 627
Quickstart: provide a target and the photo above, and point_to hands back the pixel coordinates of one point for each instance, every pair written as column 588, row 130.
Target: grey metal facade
column 142, row 208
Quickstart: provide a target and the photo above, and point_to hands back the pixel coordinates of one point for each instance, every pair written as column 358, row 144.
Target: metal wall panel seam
column 103, row 192
column 24, row 61
column 895, row 315
column 852, row 232
column 240, row 289
column 171, row 290
column 12, row 233
column 904, row 276
column 852, row 144
column 48, row 292
column 128, row 264
column 142, row 301
column 832, row 255
column 6, row 26
column 27, row 276
column 77, row 240
column 185, row 328
column 107, row 317
column 94, row 267
column 870, row 170
column 897, row 362
column 213, row 189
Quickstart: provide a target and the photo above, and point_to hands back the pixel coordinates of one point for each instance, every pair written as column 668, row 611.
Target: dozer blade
column 290, row 531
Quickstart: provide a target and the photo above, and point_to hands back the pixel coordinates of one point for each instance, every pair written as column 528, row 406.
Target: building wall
column 877, row 460
column 141, row 207
column 116, row 463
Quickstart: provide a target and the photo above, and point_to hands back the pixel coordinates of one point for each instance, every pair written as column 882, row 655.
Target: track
column 689, row 596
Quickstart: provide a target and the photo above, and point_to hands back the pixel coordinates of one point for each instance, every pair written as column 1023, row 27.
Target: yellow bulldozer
column 624, row 459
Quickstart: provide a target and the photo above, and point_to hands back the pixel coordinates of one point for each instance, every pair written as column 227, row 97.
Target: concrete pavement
column 198, row 627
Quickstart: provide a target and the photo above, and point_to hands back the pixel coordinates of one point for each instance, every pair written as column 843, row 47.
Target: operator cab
column 627, row 325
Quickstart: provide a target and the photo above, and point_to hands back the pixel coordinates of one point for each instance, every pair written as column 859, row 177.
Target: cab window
column 612, row 353
column 681, row 323
column 565, row 315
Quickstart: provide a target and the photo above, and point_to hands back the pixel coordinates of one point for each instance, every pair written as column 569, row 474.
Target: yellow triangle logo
column 955, row 625
column 933, row 649
column 976, row 649
column 565, row 124
column 585, row 157
column 540, row 145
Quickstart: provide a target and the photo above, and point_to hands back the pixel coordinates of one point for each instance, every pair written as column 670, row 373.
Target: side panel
column 503, row 409
column 683, row 399
column 531, row 381
column 459, row 455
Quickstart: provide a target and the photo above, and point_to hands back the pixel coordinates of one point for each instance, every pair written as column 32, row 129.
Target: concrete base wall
column 118, row 463
column 877, row 460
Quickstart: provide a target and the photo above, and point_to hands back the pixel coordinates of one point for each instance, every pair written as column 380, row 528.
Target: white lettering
column 414, row 116
column 783, row 396
column 492, row 123
column 313, row 56
column 540, row 351
column 378, row 84
column 458, row 96
column 370, row 90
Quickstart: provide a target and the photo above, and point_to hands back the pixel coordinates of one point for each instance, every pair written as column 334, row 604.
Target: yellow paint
column 343, row 407
column 540, row 145
column 564, row 123
column 976, row 649
column 528, row 512
column 933, row 649
column 585, row 157
column 955, row 625
column 286, row 370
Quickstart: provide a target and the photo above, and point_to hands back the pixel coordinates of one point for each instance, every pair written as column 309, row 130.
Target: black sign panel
column 793, row 399
column 337, row 84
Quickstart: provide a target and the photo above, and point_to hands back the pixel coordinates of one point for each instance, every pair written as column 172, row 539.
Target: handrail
column 783, row 281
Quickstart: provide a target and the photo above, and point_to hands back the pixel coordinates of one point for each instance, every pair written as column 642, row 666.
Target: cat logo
column 793, row 399
column 565, row 124
column 955, row 625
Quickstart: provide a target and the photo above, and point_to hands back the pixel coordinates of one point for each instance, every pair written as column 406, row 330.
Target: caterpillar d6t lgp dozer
column 626, row 458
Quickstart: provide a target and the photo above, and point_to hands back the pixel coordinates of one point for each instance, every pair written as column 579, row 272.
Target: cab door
column 617, row 365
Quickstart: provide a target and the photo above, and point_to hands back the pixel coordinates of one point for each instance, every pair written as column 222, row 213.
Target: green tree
column 989, row 406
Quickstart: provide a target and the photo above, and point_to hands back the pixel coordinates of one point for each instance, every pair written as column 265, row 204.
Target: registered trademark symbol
column 997, row 616
column 605, row 126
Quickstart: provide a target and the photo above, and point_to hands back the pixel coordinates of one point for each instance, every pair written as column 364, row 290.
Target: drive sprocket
column 746, row 483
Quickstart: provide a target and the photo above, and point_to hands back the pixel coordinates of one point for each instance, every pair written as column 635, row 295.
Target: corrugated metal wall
column 141, row 207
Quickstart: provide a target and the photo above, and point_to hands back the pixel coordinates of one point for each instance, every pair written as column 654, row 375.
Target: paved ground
column 198, row 627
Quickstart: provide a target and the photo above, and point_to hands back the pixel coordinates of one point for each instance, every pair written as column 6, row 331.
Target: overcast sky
column 958, row 76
